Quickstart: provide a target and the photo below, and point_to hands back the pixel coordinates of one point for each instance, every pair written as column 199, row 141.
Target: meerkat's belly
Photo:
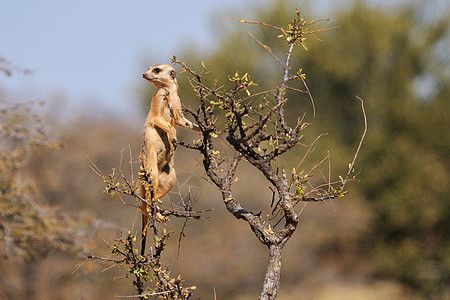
column 163, row 148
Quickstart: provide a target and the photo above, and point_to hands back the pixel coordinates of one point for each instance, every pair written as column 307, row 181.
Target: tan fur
column 160, row 136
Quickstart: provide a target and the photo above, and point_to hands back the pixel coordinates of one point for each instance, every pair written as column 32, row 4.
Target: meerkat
column 160, row 138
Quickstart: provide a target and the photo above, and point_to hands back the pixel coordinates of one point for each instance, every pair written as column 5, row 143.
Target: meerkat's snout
column 148, row 76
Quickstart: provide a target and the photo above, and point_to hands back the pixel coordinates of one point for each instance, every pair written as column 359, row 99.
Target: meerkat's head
column 161, row 75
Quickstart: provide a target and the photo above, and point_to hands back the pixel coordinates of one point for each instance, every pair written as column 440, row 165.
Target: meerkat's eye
column 156, row 70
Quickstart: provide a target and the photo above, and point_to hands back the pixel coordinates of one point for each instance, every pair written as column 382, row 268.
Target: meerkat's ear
column 173, row 74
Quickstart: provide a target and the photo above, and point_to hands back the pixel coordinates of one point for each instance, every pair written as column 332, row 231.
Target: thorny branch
column 148, row 268
column 259, row 133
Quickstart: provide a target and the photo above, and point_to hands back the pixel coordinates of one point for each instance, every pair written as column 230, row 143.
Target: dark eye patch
column 156, row 70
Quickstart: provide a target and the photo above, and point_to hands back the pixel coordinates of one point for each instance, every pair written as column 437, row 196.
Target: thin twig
column 359, row 145
column 259, row 23
column 310, row 149
column 267, row 48
column 317, row 199
column 145, row 295
column 180, row 237
column 104, row 258
column 310, row 95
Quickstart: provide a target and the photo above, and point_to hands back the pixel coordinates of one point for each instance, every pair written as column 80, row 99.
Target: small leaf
column 304, row 45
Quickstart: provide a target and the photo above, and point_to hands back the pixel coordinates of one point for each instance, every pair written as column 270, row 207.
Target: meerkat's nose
column 143, row 75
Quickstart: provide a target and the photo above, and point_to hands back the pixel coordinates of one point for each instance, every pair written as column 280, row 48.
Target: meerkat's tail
column 144, row 233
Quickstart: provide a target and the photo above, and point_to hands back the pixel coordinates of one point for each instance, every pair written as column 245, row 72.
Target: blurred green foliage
column 29, row 230
column 392, row 59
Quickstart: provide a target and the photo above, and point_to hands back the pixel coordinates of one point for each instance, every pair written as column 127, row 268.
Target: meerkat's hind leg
column 151, row 177
column 167, row 180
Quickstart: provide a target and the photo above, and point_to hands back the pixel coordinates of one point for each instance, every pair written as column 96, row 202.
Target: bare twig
column 258, row 23
column 352, row 164
column 145, row 295
column 267, row 48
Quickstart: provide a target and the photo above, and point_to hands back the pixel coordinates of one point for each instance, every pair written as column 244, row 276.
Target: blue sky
column 94, row 52
column 91, row 54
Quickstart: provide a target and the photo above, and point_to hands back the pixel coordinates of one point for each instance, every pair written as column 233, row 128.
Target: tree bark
column 273, row 273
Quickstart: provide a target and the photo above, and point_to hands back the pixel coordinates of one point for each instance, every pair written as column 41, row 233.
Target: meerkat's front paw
column 174, row 144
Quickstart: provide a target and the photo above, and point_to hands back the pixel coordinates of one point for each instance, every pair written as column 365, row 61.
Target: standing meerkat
column 160, row 138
